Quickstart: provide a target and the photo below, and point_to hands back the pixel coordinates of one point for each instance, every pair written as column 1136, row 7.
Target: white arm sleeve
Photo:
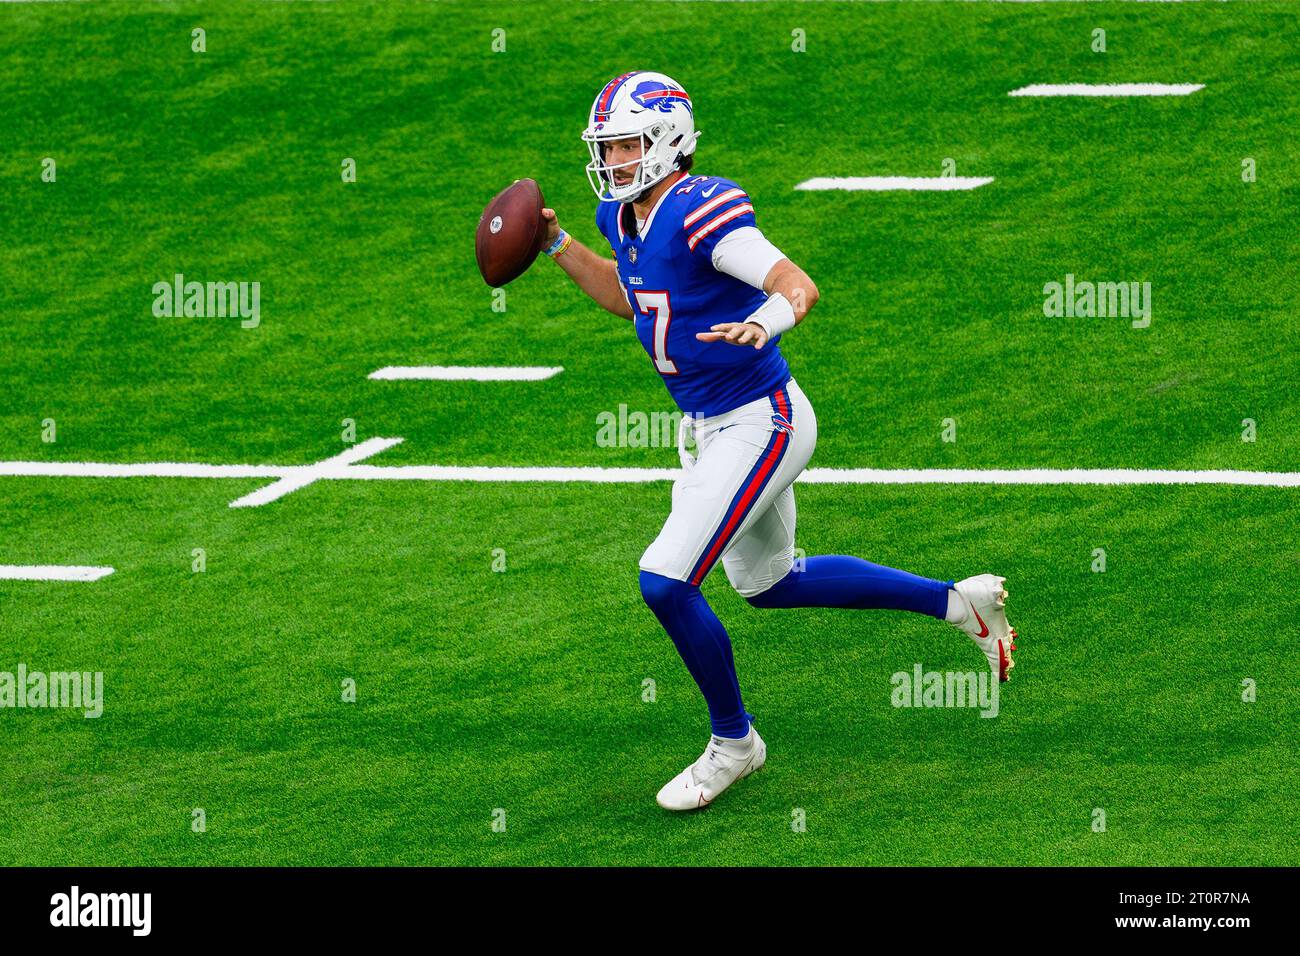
column 746, row 254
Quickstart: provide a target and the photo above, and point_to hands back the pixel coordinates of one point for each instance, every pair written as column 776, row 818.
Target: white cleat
column 723, row 762
column 986, row 620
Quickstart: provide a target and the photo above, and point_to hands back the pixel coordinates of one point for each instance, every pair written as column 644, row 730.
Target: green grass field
column 522, row 690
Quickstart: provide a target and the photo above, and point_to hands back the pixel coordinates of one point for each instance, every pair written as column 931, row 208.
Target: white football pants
column 734, row 501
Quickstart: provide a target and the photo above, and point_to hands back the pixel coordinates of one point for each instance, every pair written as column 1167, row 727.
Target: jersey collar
column 649, row 220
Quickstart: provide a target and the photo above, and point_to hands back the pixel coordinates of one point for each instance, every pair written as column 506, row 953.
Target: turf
column 523, row 689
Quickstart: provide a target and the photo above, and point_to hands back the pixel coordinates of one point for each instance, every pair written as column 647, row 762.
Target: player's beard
column 639, row 197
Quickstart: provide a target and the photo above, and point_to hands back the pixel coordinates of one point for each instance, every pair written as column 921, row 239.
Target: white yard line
column 843, row 476
column 892, row 183
column 290, row 478
column 52, row 572
column 1048, row 476
column 304, row 475
column 466, row 373
column 1108, row 89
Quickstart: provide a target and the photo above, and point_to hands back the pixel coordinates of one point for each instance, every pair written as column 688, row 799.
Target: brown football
column 510, row 233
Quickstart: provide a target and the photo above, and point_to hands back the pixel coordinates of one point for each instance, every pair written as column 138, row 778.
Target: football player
column 710, row 298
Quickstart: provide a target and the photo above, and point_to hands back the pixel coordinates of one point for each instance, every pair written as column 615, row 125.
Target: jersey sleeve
column 717, row 207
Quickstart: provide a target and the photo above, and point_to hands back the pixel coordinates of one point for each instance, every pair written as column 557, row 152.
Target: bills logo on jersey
column 655, row 95
column 782, row 424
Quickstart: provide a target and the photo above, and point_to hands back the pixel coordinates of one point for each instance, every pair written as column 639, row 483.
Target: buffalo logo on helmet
column 656, row 95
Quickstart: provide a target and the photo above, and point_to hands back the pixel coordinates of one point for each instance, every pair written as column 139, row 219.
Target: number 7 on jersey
column 656, row 304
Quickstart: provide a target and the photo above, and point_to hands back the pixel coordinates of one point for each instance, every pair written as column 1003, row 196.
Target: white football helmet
column 649, row 105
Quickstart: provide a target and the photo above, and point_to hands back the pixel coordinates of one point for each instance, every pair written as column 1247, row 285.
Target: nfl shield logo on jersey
column 631, row 255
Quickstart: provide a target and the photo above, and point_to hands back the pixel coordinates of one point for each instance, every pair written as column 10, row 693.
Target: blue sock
column 704, row 646
column 839, row 580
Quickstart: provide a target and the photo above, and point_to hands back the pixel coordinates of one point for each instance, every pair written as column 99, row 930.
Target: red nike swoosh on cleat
column 985, row 631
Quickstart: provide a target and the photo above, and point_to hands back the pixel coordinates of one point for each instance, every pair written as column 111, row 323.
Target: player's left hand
column 737, row 333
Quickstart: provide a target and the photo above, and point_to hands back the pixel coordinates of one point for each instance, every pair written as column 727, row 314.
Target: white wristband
column 775, row 316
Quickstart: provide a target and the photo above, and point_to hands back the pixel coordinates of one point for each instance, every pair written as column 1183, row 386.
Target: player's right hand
column 552, row 226
column 737, row 333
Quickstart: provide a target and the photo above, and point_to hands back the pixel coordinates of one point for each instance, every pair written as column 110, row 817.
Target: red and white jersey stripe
column 721, row 219
column 720, row 200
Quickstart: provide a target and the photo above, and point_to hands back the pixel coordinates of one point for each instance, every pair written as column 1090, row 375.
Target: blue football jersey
column 675, row 292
